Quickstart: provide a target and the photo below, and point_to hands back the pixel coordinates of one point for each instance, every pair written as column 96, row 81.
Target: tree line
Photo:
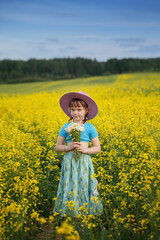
column 16, row 71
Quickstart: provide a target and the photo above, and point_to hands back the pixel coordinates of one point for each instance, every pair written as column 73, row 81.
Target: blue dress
column 77, row 190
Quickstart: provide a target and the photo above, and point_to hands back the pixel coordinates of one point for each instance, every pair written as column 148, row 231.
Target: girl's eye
column 72, row 109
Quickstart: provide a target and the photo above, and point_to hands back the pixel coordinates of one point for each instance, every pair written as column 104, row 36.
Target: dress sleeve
column 93, row 132
column 63, row 132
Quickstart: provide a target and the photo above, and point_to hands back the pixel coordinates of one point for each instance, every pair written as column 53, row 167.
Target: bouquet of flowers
column 75, row 130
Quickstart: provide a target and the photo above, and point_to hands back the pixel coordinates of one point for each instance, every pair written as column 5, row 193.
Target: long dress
column 77, row 190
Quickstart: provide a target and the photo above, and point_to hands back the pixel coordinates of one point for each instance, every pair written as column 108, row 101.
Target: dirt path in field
column 48, row 234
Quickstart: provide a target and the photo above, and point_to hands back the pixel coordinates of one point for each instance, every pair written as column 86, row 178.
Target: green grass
column 136, row 79
column 50, row 86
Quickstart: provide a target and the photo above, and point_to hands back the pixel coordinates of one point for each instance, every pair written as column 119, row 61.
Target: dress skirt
column 77, row 190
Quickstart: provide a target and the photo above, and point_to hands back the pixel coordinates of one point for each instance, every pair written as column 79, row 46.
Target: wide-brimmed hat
column 66, row 98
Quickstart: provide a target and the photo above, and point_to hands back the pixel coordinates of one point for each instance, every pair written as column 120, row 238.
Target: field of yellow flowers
column 127, row 168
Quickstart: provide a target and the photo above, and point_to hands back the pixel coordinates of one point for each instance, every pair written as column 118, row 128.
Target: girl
column 77, row 190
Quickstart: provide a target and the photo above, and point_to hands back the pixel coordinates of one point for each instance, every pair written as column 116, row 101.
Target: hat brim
column 66, row 98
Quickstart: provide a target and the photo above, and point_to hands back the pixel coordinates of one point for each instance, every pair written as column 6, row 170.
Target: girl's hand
column 72, row 145
column 79, row 147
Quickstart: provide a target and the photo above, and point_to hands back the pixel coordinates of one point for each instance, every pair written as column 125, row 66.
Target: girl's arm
column 60, row 147
column 60, row 144
column 96, row 147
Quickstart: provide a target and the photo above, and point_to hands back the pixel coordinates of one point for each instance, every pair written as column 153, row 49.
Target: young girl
column 77, row 190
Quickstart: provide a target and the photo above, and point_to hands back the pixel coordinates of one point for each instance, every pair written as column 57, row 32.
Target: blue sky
column 100, row 29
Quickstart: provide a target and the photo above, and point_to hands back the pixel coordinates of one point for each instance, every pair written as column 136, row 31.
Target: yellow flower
column 65, row 228
column 51, row 219
column 41, row 220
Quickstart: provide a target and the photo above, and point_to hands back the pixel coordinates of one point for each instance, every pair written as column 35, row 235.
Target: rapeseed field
column 127, row 168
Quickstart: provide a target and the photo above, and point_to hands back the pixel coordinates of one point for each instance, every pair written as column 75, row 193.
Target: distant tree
column 12, row 71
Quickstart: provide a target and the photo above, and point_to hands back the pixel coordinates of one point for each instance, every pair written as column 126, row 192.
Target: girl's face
column 78, row 113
